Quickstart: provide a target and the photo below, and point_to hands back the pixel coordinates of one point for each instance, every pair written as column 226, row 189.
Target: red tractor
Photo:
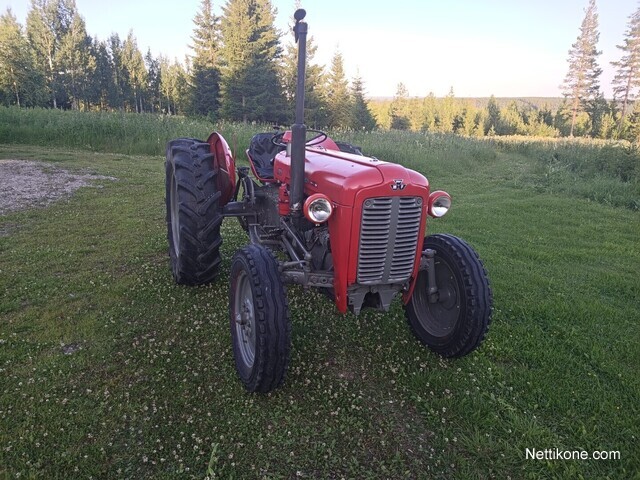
column 318, row 213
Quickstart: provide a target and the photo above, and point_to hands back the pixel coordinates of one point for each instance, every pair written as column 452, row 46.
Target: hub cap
column 442, row 315
column 244, row 317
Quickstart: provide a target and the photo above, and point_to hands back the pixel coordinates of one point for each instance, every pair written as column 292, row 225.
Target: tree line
column 240, row 69
column 54, row 63
column 582, row 112
column 581, row 87
column 479, row 117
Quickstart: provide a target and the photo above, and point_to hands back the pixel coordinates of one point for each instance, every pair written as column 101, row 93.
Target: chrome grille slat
column 388, row 239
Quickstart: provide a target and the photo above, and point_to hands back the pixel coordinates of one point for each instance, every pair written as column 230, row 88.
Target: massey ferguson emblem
column 398, row 185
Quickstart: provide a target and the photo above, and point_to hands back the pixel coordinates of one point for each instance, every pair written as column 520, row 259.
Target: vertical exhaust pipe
column 299, row 129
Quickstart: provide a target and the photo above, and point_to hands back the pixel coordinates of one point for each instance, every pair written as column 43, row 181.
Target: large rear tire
column 259, row 319
column 457, row 322
column 194, row 214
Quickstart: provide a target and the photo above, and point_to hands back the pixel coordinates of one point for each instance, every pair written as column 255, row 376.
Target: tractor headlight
column 318, row 208
column 439, row 203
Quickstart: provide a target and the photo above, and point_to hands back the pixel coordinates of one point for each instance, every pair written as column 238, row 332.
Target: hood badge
column 398, row 185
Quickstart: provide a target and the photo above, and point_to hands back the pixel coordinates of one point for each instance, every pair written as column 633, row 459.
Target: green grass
column 153, row 391
column 602, row 171
column 109, row 132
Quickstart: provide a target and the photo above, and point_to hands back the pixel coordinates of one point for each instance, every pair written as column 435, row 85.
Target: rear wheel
column 259, row 319
column 194, row 214
column 455, row 322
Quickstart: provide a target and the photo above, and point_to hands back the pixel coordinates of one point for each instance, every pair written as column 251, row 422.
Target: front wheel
column 259, row 319
column 455, row 320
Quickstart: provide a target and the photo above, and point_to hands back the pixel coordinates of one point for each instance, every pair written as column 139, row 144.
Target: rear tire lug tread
column 198, row 212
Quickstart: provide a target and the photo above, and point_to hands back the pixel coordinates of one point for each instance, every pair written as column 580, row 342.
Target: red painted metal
column 284, row 208
column 224, row 161
column 348, row 180
column 327, row 143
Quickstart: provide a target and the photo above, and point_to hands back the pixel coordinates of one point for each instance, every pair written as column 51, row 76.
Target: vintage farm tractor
column 318, row 213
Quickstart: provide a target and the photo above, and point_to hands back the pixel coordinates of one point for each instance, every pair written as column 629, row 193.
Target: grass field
column 152, row 391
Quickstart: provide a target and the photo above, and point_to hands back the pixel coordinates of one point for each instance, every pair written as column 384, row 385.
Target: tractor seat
column 261, row 154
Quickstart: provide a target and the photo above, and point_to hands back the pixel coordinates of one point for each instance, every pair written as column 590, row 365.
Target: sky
column 506, row 48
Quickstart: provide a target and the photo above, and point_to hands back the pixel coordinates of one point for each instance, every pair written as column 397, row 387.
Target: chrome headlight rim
column 439, row 204
column 318, row 208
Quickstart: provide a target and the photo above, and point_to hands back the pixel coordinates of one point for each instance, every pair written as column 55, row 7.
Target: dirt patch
column 27, row 184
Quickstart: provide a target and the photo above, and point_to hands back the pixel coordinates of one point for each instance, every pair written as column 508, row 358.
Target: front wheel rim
column 244, row 319
column 442, row 316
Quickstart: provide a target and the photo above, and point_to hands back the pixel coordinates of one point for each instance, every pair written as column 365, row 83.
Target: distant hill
column 481, row 102
column 538, row 102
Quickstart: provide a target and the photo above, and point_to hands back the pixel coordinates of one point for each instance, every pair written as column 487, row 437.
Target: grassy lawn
column 150, row 390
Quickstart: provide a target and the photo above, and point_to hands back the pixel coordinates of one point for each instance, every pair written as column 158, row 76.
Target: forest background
column 242, row 68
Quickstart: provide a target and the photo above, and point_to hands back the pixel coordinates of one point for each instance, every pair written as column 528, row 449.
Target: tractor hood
column 341, row 175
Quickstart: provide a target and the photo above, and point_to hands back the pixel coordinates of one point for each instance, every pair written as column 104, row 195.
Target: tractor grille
column 388, row 239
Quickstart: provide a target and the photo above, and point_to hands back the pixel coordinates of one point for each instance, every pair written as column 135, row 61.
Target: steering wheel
column 277, row 139
column 317, row 139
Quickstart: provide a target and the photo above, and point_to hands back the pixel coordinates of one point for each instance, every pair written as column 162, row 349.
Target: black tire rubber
column 194, row 214
column 467, row 284
column 268, row 304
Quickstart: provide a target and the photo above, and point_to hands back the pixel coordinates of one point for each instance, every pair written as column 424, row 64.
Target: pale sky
column 509, row 48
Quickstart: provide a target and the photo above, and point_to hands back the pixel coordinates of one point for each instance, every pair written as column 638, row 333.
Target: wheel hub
column 442, row 309
column 244, row 318
column 447, row 296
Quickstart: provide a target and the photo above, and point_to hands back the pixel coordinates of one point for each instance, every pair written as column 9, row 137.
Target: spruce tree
column 103, row 86
column 399, row 109
column 627, row 79
column 250, row 89
column 164, row 85
column 600, row 113
column 153, row 81
column 173, row 87
column 447, row 113
column 20, row 83
column 633, row 133
column 48, row 21
column 581, row 83
column 429, row 113
column 315, row 108
column 77, row 64
column 493, row 117
column 466, row 122
column 205, row 76
column 511, row 121
column 133, row 67
column 338, row 96
column 361, row 118
column 121, row 86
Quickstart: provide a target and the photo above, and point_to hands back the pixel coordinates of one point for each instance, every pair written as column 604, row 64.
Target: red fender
column 226, row 166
